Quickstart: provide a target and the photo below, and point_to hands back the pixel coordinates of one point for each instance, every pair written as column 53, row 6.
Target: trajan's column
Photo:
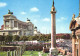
column 53, row 50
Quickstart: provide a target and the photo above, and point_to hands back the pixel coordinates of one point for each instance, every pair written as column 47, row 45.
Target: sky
column 38, row 11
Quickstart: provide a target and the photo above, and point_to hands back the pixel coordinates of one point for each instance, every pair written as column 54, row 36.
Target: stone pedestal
column 53, row 51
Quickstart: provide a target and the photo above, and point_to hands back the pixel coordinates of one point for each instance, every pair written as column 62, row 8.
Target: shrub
column 16, row 38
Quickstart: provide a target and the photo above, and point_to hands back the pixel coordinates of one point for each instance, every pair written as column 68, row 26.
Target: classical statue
column 28, row 19
column 9, row 12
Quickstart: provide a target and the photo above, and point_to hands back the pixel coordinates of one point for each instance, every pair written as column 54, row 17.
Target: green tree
column 63, row 36
column 24, row 38
column 42, row 37
column 30, row 38
column 16, row 38
column 2, row 38
column 8, row 38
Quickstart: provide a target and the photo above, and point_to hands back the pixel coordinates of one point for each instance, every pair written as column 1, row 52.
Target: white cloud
column 23, row 13
column 3, row 4
column 46, row 19
column 34, row 9
column 61, row 19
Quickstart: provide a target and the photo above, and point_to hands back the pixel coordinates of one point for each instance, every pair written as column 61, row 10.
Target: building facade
column 13, row 26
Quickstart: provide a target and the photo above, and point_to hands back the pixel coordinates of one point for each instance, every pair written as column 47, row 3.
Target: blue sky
column 38, row 11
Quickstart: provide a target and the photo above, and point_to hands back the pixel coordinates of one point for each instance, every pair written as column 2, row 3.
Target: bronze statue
column 28, row 19
column 9, row 12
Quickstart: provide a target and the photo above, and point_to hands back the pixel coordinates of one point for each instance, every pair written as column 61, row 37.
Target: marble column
column 11, row 53
column 13, row 23
column 17, row 24
column 8, row 53
column 79, row 46
column 53, row 31
column 9, row 24
column 4, row 24
column 15, row 53
column 73, row 47
column 20, row 51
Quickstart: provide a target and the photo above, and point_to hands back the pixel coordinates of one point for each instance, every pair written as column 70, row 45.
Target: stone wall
column 35, row 47
column 8, row 48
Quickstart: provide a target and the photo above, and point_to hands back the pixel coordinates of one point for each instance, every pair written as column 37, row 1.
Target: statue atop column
column 28, row 19
column 9, row 12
